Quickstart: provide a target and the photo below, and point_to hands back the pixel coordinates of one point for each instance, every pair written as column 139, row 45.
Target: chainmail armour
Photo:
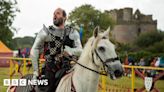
column 51, row 41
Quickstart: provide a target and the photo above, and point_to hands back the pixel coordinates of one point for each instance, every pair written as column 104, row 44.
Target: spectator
column 141, row 62
column 152, row 73
column 160, row 62
column 130, row 60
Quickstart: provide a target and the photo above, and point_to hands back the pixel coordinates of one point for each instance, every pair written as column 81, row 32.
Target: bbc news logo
column 24, row 82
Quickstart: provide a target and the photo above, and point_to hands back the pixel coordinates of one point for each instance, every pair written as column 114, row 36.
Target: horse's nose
column 118, row 73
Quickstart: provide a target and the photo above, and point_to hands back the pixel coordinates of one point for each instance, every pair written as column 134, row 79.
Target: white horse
column 98, row 53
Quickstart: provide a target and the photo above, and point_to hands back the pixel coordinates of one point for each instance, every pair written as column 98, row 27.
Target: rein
column 91, row 69
column 104, row 63
column 86, row 67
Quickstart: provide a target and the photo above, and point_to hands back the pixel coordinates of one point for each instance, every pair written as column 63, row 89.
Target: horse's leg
column 27, row 88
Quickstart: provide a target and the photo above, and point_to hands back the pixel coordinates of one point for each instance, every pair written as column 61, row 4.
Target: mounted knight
column 55, row 41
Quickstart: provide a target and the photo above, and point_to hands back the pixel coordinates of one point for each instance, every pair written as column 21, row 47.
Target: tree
column 151, row 42
column 25, row 42
column 89, row 17
column 157, row 47
column 7, row 14
column 149, row 38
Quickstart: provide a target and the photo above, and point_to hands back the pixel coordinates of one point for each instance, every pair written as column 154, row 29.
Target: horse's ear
column 96, row 31
column 106, row 33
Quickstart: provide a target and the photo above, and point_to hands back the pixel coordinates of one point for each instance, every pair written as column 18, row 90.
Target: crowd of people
column 157, row 61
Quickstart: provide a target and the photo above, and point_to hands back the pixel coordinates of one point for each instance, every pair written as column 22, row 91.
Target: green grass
column 4, row 74
column 121, row 85
column 124, row 84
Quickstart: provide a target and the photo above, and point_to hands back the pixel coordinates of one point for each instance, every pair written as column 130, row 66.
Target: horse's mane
column 92, row 41
column 87, row 47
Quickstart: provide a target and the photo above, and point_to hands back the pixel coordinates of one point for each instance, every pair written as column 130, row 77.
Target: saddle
column 65, row 68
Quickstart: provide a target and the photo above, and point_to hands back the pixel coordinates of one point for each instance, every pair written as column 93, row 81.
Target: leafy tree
column 157, row 47
column 149, row 38
column 89, row 17
column 7, row 13
column 123, row 47
column 151, row 42
column 25, row 42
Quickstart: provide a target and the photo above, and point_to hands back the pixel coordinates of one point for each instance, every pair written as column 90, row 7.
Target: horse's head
column 104, row 54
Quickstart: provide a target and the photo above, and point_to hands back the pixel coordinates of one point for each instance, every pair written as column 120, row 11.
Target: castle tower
column 129, row 26
column 127, row 14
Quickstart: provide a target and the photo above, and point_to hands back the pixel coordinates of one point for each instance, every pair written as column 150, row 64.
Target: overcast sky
column 35, row 13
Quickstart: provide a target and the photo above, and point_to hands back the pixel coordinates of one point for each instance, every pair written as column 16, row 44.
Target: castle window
column 139, row 31
column 136, row 16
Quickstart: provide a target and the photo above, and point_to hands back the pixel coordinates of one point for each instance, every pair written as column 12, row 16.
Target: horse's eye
column 102, row 49
column 104, row 37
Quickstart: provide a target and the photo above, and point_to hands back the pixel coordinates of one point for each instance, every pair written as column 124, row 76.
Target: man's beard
column 58, row 22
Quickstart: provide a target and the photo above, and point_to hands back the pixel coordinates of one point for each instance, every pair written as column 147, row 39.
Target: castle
column 130, row 25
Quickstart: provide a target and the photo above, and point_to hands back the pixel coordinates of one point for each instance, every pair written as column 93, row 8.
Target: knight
column 54, row 41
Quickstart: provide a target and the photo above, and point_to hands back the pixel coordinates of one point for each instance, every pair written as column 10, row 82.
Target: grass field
column 4, row 74
column 121, row 85
column 124, row 84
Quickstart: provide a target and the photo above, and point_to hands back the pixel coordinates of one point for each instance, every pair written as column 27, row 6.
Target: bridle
column 103, row 62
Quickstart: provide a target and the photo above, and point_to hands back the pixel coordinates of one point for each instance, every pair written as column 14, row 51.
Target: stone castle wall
column 129, row 26
column 123, row 33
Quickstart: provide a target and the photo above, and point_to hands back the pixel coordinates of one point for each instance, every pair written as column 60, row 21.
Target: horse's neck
column 84, row 79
